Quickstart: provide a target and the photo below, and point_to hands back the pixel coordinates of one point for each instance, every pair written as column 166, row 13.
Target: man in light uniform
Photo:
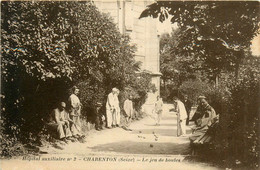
column 59, row 123
column 110, row 107
column 158, row 110
column 181, row 117
column 116, row 120
column 75, row 111
column 128, row 108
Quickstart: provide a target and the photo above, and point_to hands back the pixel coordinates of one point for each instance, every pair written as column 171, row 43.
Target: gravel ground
column 145, row 147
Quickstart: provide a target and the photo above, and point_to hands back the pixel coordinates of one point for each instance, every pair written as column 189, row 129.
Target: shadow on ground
column 131, row 147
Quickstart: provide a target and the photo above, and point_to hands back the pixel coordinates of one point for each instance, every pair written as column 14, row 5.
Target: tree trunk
column 216, row 81
column 164, row 84
column 238, row 62
column 237, row 71
column 245, row 129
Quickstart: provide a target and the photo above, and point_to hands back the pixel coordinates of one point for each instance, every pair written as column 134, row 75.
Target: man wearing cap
column 59, row 123
column 181, row 117
column 198, row 114
column 111, row 108
column 75, row 111
column 99, row 116
column 208, row 117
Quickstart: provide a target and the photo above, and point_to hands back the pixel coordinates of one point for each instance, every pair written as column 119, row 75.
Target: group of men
column 65, row 121
column 113, row 109
column 204, row 117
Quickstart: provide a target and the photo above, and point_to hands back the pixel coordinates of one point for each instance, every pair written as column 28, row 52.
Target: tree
column 176, row 68
column 217, row 33
column 166, row 60
column 47, row 48
column 34, row 62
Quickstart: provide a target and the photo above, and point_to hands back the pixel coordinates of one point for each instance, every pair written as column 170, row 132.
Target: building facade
column 143, row 33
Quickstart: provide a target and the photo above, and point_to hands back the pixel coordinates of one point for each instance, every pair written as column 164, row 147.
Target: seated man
column 72, row 126
column 199, row 111
column 208, row 117
column 59, row 123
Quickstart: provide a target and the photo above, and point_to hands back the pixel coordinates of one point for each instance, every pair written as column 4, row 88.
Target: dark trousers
column 188, row 118
column 98, row 122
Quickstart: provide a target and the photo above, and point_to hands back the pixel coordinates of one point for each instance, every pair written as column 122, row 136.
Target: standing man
column 99, row 115
column 110, row 107
column 158, row 110
column 128, row 108
column 58, row 122
column 187, row 105
column 75, row 111
column 117, row 109
column 181, row 117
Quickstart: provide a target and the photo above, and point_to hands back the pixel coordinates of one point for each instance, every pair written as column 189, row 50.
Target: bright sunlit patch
column 255, row 47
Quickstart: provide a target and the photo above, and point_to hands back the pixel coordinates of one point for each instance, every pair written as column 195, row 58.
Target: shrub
column 90, row 94
column 238, row 134
column 194, row 89
column 245, row 120
column 47, row 48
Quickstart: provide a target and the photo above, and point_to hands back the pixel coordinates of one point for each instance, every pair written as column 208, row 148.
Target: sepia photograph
column 130, row 85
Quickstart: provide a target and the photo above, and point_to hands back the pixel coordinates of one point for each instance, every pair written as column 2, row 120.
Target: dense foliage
column 48, row 47
column 238, row 133
column 217, row 33
column 213, row 43
column 178, row 69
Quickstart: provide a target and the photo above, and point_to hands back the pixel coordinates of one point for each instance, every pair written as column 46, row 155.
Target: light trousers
column 183, row 127
column 109, row 115
column 116, row 117
column 159, row 117
column 61, row 130
column 76, row 126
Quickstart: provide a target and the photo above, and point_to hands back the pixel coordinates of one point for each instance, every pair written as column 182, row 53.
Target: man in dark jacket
column 198, row 114
column 100, row 117
column 208, row 117
column 187, row 105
